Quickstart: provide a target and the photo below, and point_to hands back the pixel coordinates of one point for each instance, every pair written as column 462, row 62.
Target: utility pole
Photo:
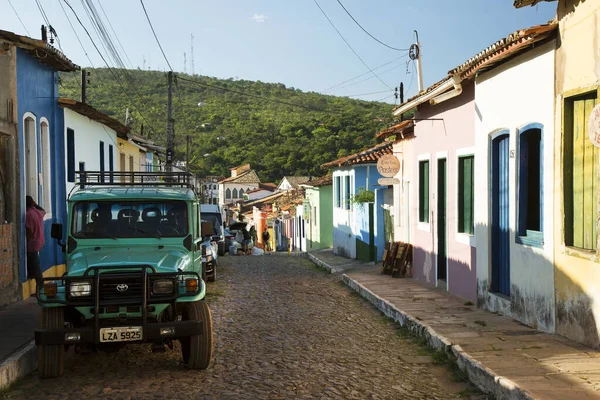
column 83, row 86
column 187, row 153
column 419, row 62
column 169, row 163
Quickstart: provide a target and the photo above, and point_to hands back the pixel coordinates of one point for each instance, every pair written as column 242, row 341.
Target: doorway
column 442, row 235
column 500, row 215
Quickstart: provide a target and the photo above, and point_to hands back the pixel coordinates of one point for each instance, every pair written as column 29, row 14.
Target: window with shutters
column 228, row 193
column 102, row 166
column 530, row 207
column 348, row 192
column 46, row 168
column 424, row 191
column 580, row 174
column 111, row 161
column 465, row 200
column 235, row 193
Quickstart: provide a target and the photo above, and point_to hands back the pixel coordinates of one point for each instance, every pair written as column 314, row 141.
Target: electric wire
column 386, row 97
column 366, row 94
column 348, row 44
column 365, row 31
column 102, row 57
column 370, row 77
column 363, row 74
column 48, row 24
column 257, row 97
column 115, row 34
column 20, row 20
column 155, row 37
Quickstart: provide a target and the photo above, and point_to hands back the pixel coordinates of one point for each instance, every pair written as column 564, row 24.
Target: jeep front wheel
column 197, row 350
column 51, row 358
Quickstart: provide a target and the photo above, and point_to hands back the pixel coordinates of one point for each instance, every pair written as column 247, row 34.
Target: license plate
column 121, row 334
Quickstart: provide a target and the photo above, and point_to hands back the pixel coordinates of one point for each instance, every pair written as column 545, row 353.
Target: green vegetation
column 233, row 128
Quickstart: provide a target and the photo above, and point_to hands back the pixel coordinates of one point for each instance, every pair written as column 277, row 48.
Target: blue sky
column 291, row 41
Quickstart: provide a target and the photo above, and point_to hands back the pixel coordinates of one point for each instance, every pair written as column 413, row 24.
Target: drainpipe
column 456, row 81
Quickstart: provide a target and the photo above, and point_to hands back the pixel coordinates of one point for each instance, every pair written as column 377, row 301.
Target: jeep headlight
column 162, row 286
column 80, row 289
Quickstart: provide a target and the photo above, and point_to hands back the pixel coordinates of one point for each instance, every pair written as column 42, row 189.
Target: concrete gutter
column 18, row 365
column 482, row 377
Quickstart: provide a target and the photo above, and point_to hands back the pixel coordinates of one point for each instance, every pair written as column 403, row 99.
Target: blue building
column 34, row 67
column 358, row 229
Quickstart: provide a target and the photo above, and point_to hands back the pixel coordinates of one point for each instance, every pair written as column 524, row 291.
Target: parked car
column 134, row 273
column 212, row 213
column 210, row 255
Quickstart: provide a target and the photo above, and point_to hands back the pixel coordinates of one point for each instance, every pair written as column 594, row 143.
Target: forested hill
column 240, row 121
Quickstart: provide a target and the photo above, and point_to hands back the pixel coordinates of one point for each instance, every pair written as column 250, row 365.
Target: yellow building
column 129, row 156
column 576, row 196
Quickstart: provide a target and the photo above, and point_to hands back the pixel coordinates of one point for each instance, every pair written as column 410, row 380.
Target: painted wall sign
column 388, row 181
column 594, row 126
column 388, row 165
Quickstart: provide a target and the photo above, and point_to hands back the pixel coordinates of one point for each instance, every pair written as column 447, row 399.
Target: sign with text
column 388, row 165
column 388, row 181
column 594, row 126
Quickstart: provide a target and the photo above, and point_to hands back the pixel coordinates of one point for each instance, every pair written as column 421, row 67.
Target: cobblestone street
column 283, row 329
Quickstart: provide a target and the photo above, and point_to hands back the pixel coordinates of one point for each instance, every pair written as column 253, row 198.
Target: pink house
column 440, row 198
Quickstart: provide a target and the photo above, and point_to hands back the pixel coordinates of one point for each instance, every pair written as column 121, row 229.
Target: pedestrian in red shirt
column 34, row 228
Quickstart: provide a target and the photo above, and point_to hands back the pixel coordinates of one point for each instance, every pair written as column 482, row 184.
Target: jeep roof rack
column 128, row 178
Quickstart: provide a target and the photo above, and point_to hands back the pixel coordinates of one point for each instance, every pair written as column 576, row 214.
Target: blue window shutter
column 111, row 161
column 70, row 155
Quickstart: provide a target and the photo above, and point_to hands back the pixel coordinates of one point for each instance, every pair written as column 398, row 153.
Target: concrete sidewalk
column 500, row 355
column 17, row 350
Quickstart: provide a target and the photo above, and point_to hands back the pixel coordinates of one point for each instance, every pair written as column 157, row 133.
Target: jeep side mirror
column 207, row 229
column 56, row 233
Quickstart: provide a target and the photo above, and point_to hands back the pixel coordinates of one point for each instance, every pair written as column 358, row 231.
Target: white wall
column 509, row 97
column 223, row 190
column 401, row 206
column 88, row 135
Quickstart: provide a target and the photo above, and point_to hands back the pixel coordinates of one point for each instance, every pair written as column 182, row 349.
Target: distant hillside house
column 243, row 179
column 292, row 182
column 263, row 190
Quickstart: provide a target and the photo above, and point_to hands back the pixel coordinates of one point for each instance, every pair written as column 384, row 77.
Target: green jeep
column 135, row 256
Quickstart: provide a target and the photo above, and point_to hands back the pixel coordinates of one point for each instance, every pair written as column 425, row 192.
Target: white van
column 212, row 213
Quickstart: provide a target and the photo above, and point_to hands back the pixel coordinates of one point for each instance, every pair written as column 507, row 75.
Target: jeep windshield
column 129, row 219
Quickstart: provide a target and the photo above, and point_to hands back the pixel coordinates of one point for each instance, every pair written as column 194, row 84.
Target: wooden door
column 500, row 215
column 442, row 235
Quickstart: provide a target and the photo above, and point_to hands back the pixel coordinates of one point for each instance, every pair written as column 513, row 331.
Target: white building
column 292, row 182
column 514, row 177
column 232, row 189
column 90, row 140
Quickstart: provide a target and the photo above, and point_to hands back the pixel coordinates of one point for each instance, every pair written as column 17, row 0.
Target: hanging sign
column 388, row 181
column 594, row 126
column 388, row 165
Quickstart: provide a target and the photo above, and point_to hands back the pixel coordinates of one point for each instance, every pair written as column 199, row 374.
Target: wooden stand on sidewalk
column 396, row 258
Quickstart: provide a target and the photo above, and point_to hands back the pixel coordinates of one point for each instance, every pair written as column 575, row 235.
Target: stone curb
column 481, row 376
column 18, row 365
column 322, row 264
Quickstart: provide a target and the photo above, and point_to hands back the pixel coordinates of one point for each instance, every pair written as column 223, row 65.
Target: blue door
column 500, row 220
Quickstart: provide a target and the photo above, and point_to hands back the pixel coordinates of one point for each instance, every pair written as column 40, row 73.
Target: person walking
column 265, row 238
column 34, row 230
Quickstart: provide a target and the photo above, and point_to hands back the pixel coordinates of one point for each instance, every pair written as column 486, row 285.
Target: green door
column 442, row 259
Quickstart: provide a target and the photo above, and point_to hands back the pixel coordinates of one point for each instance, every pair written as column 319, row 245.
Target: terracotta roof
column 41, row 50
column 244, row 177
column 318, row 182
column 505, row 48
column 369, row 156
column 397, row 129
column 92, row 113
column 523, row 3
column 268, row 186
column 296, row 180
column 510, row 46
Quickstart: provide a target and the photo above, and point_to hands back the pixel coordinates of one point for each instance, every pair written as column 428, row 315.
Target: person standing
column 34, row 229
column 265, row 238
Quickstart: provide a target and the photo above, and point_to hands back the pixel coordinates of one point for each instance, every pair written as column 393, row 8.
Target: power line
column 20, row 20
column 75, row 32
column 257, row 97
column 386, row 97
column 363, row 74
column 365, row 31
column 366, row 94
column 369, row 78
column 101, row 56
column 115, row 34
column 155, row 37
column 48, row 24
column 348, row 44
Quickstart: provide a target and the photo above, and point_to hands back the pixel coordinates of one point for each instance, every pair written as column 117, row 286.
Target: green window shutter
column 424, row 191
column 581, row 175
column 465, row 195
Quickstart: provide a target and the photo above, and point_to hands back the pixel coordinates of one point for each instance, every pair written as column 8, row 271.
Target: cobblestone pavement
column 283, row 329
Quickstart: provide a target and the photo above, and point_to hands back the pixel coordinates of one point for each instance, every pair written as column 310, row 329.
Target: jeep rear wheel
column 197, row 350
column 51, row 358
